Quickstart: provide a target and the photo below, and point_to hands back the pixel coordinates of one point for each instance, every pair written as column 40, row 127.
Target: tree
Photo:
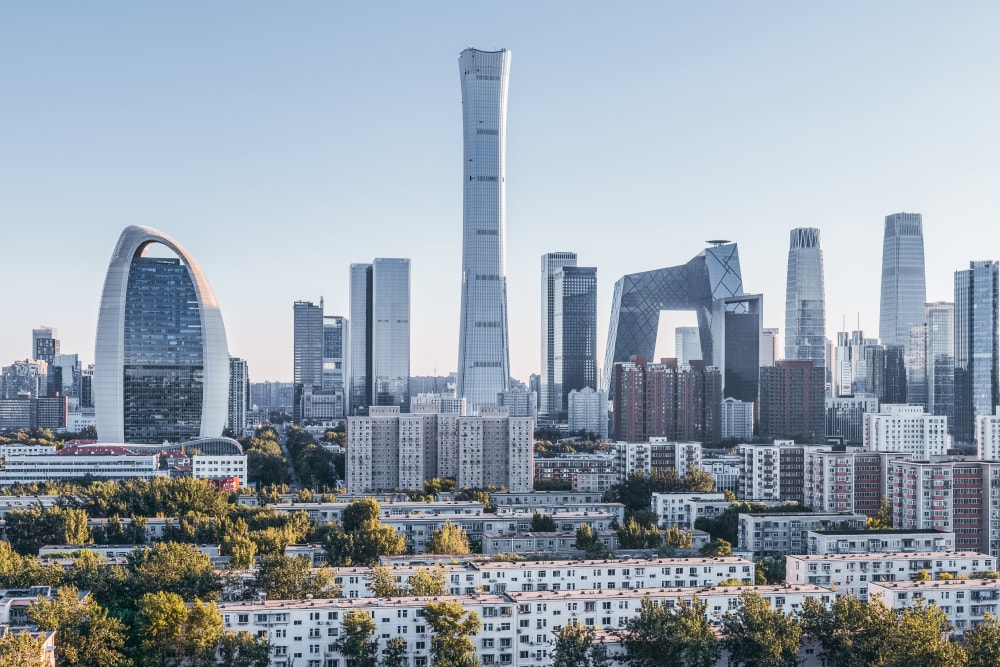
column 699, row 480
column 661, row 636
column 383, row 583
column 758, row 636
column 242, row 649
column 293, row 578
column 173, row 568
column 542, row 523
column 173, row 632
column 922, row 575
column 451, row 645
column 633, row 535
column 449, row 539
column 21, row 649
column 677, row 538
column 85, row 634
column 982, row 643
column 850, row 632
column 920, row 637
column 357, row 642
column 361, row 538
column 719, row 547
column 395, row 654
column 17, row 570
column 576, row 647
column 585, row 536
column 427, row 582
column 30, row 529
column 883, row 517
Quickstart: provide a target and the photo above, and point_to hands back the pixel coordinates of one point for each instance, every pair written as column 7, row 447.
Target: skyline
column 260, row 146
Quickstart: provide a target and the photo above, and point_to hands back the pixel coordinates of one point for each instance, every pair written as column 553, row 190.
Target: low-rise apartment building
column 777, row 534
column 964, row 601
column 878, row 541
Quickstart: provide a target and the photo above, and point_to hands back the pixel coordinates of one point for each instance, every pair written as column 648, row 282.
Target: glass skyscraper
column 379, row 368
column 307, row 366
column 161, row 370
column 575, row 331
column 805, row 309
column 903, row 289
column 939, row 359
column 550, row 393
column 976, row 347
column 483, row 352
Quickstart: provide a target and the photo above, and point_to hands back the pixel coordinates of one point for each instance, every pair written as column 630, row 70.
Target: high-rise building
column 379, row 338
column 792, row 401
column 239, row 396
column 575, row 327
column 915, row 361
column 903, row 289
column 737, row 419
column 483, row 348
column 687, row 345
column 161, row 369
column 845, row 417
column 307, row 368
column 805, row 309
column 336, row 336
column 769, row 346
column 939, row 357
column 588, row 411
column 44, row 344
column 551, row 392
column 976, row 306
column 25, row 378
column 907, row 429
column 65, row 376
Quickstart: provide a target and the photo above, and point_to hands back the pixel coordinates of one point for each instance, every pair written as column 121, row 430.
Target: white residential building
column 656, row 454
column 737, row 419
column 772, row 534
column 907, row 429
column 216, row 466
column 850, row 574
column 878, row 541
column 987, row 436
column 681, row 510
column 965, row 602
column 588, row 411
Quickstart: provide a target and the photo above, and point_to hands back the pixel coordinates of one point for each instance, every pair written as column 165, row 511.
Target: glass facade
column 976, row 346
column 391, row 332
column 307, row 367
column 163, row 368
column 939, row 357
column 335, row 330
column 484, row 356
column 698, row 285
column 575, row 331
column 550, row 392
column 903, row 289
column 361, row 342
column 805, row 309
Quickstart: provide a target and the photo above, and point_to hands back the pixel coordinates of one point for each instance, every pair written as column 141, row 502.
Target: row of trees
column 848, row 633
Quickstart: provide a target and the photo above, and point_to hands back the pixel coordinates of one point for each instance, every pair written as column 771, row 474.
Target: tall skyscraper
column 770, row 351
column 380, row 335
column 307, row 367
column 903, row 289
column 569, row 329
column 551, row 391
column 161, row 369
column 44, row 344
column 336, row 336
column 483, row 352
column 805, row 309
column 976, row 348
column 239, row 396
column 939, row 357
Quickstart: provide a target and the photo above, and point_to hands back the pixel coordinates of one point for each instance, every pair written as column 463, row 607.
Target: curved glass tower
column 903, row 289
column 161, row 370
column 805, row 310
column 483, row 353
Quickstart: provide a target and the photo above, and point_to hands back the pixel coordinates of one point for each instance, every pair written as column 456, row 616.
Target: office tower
column 915, row 361
column 769, row 347
column 792, row 401
column 272, row 396
column 44, row 344
column 729, row 321
column 87, row 387
column 380, row 334
column 588, row 412
column 26, row 378
column 161, row 369
column 805, row 309
column 887, row 369
column 903, row 290
column 851, row 374
column 575, row 331
column 551, row 391
column 666, row 400
column 65, row 375
column 336, row 336
column 845, row 417
column 687, row 345
column 239, row 396
column 307, row 367
column 483, row 353
column 939, row 357
column 976, row 302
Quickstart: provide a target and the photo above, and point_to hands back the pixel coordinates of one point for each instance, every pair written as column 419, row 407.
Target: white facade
column 737, row 419
column 828, row 484
column 988, row 436
column 483, row 353
column 879, row 541
column 681, row 510
column 782, row 533
column 656, row 454
column 118, row 468
column 761, row 478
column 850, row 574
column 588, row 411
column 907, row 429
column 216, row 466
column 965, row 602
column 109, row 382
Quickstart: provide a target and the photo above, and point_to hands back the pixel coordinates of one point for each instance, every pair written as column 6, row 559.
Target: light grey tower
column 939, row 357
column 805, row 309
column 976, row 346
column 307, row 366
column 379, row 340
column 483, row 351
column 551, row 264
column 161, row 363
column 903, row 289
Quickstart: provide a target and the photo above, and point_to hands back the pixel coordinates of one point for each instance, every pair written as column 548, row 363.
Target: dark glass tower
column 976, row 347
column 575, row 331
column 550, row 393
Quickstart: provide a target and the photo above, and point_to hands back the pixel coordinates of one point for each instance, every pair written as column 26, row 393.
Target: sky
column 281, row 142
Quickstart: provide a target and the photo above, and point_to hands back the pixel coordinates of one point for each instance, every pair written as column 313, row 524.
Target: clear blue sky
column 279, row 142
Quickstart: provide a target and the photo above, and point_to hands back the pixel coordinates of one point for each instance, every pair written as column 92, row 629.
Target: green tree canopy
column 982, row 643
column 293, row 578
column 758, row 636
column 357, row 642
column 174, row 633
column 542, row 523
column 452, row 628
column 663, row 636
column 173, row 568
column 449, row 539
column 21, row 649
column 920, row 637
column 85, row 634
column 850, row 632
column 242, row 649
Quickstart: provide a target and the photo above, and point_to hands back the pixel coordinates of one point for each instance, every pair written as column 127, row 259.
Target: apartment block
column 965, row 602
column 907, row 429
column 878, row 541
column 774, row 534
column 656, row 454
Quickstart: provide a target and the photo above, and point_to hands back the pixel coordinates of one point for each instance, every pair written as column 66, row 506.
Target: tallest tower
column 903, row 289
column 483, row 353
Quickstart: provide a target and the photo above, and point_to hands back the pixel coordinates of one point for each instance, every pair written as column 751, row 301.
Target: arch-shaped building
column 161, row 369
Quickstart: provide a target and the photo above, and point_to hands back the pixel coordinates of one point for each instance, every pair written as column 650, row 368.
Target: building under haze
column 161, row 369
column 44, row 344
column 976, row 350
column 483, row 347
column 239, row 396
column 551, row 391
column 903, row 290
column 805, row 309
column 379, row 340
